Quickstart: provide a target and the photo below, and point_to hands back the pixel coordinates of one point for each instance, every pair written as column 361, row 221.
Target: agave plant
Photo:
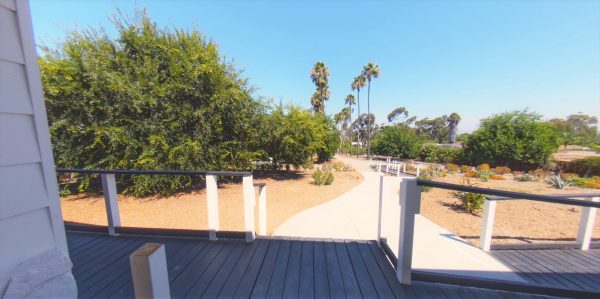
column 555, row 181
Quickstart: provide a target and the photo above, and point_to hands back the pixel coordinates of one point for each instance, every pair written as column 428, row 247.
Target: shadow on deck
column 268, row 267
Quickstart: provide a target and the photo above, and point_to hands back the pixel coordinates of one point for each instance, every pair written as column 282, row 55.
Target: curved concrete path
column 353, row 215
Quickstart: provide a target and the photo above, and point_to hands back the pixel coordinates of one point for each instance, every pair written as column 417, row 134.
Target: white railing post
column 249, row 204
column 387, row 165
column 489, row 212
column 404, row 167
column 212, row 205
column 410, row 203
column 380, row 209
column 586, row 226
column 149, row 271
column 378, row 166
column 418, row 169
column 397, row 171
column 262, row 209
column 109, row 187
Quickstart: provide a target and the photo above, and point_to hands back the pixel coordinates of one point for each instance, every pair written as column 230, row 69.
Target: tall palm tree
column 370, row 71
column 358, row 84
column 320, row 77
column 453, row 121
column 350, row 100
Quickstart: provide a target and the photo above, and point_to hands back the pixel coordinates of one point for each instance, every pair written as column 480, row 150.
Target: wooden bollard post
column 149, row 272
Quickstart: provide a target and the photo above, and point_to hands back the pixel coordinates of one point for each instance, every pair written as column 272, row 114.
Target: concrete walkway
column 353, row 215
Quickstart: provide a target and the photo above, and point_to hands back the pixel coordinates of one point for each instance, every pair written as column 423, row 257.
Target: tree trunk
column 369, row 120
column 358, row 131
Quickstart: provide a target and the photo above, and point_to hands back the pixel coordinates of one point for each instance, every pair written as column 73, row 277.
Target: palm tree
column 350, row 100
column 357, row 84
column 370, row 71
column 319, row 75
column 453, row 121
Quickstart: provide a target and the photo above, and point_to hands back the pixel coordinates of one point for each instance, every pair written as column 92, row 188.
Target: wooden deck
column 560, row 268
column 268, row 267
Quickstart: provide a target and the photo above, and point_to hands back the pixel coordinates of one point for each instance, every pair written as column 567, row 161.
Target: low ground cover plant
column 466, row 169
column 555, row 181
column 452, row 168
column 501, row 170
column 526, row 178
column 470, row 201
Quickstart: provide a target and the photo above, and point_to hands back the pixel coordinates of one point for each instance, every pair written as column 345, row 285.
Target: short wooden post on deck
column 109, row 188
column 149, row 271
column 487, row 228
column 586, row 226
column 212, row 205
column 249, row 204
column 410, row 204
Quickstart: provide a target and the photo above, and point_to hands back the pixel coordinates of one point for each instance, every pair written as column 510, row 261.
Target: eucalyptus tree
column 397, row 113
column 358, row 84
column 350, row 100
column 341, row 119
column 453, row 121
column 370, row 71
column 320, row 77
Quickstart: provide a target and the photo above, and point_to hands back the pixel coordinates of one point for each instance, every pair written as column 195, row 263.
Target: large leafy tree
column 435, row 129
column 397, row 141
column 370, row 71
column 320, row 77
column 397, row 114
column 515, row 139
column 577, row 128
column 148, row 99
column 364, row 124
column 357, row 84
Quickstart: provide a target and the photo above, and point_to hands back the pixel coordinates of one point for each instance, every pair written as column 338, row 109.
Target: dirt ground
column 517, row 221
column 287, row 194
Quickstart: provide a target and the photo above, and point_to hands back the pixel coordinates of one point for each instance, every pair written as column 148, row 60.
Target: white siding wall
column 30, row 217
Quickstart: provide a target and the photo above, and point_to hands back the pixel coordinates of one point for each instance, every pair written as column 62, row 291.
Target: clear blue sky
column 475, row 58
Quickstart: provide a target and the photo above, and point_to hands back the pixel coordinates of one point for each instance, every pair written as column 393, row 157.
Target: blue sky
column 475, row 58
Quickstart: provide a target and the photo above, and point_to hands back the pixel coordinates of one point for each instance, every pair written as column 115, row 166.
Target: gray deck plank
column 320, row 272
column 399, row 290
column 194, row 269
column 292, row 274
column 381, row 285
column 345, row 265
column 255, row 254
column 247, row 283
column 307, row 274
column 215, row 286
column 210, row 270
column 275, row 289
column 334, row 274
column 365, row 282
column 263, row 279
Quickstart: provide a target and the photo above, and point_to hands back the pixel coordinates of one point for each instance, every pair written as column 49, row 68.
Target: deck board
column 266, row 268
column 571, row 269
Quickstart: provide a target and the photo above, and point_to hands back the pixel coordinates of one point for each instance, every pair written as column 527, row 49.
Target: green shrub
column 318, row 177
column 583, row 167
column 471, row 202
column 329, row 178
column 449, row 155
column 516, row 139
column 485, row 175
column 429, row 153
column 466, row 169
column 526, row 178
column 396, row 141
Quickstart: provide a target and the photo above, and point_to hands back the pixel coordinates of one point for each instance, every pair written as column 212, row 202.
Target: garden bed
column 287, row 194
column 517, row 221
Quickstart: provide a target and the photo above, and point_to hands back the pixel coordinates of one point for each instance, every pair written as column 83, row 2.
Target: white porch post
column 380, row 209
column 149, row 272
column 212, row 205
column 262, row 209
column 410, row 202
column 249, row 204
column 109, row 188
column 489, row 212
column 586, row 226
